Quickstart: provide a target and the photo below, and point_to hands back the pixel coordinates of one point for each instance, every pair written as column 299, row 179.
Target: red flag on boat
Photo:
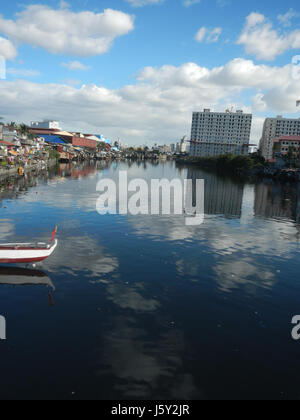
column 53, row 234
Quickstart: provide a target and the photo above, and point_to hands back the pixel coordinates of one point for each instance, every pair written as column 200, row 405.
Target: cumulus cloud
column 210, row 36
column 264, row 42
column 62, row 31
column 159, row 104
column 7, row 49
column 75, row 66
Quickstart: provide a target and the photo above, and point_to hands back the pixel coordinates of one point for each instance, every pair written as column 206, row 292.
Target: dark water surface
column 144, row 306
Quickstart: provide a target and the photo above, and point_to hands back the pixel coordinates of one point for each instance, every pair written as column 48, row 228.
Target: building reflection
column 222, row 195
column 15, row 186
column 81, row 170
column 277, row 201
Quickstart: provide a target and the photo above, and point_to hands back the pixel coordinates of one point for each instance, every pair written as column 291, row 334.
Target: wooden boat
column 27, row 253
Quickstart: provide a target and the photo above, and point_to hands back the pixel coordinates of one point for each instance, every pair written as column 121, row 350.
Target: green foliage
column 54, row 154
column 238, row 165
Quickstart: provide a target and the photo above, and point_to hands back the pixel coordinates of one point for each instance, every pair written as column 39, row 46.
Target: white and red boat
column 27, row 253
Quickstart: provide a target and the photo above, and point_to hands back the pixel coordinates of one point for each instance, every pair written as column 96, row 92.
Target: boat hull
column 24, row 255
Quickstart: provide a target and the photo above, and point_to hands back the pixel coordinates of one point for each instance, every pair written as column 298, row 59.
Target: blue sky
column 138, row 72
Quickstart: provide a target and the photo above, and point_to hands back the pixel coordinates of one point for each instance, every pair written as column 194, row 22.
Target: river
column 145, row 307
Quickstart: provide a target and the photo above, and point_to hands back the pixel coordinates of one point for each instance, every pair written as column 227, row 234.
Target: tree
column 24, row 130
column 12, row 125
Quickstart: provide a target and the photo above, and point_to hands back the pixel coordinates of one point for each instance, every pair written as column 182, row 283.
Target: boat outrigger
column 27, row 253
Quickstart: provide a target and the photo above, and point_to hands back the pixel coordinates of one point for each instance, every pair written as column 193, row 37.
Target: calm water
column 144, row 307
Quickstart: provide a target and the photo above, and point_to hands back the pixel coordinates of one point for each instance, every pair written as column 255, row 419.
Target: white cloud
column 188, row 3
column 7, row 49
column 22, row 72
column 75, row 66
column 73, row 82
column 286, row 19
column 214, row 35
column 141, row 3
column 62, row 31
column 263, row 41
column 211, row 36
column 161, row 102
column 200, row 35
column 258, row 103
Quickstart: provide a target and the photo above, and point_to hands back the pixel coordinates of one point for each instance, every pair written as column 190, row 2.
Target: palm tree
column 12, row 125
column 23, row 129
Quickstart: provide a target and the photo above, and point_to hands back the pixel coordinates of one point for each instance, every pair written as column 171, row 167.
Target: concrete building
column 217, row 133
column 164, row 149
column 284, row 144
column 273, row 129
column 184, row 145
column 8, row 134
column 46, row 125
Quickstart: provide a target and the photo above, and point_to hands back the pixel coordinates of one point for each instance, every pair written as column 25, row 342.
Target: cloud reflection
column 86, row 256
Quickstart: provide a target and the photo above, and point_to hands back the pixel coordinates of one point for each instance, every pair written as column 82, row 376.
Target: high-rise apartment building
column 217, row 133
column 275, row 128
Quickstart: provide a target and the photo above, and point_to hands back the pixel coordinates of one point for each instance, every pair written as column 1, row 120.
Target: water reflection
column 147, row 366
column 15, row 187
column 17, row 276
column 246, row 273
column 91, row 259
column 277, row 201
column 144, row 302
column 222, row 195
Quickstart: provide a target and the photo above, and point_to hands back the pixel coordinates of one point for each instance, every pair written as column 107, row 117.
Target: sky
column 137, row 69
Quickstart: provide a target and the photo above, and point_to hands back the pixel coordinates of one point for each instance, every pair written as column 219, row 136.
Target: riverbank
column 250, row 167
column 6, row 172
column 242, row 166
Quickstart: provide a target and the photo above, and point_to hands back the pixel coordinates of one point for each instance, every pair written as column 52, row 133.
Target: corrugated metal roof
column 64, row 133
column 6, row 143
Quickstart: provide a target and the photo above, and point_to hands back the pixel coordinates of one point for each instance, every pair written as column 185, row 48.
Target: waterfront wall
column 8, row 172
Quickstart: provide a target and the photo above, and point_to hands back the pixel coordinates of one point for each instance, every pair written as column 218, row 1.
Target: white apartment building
column 218, row 133
column 184, row 145
column 46, row 125
column 275, row 128
column 8, row 134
